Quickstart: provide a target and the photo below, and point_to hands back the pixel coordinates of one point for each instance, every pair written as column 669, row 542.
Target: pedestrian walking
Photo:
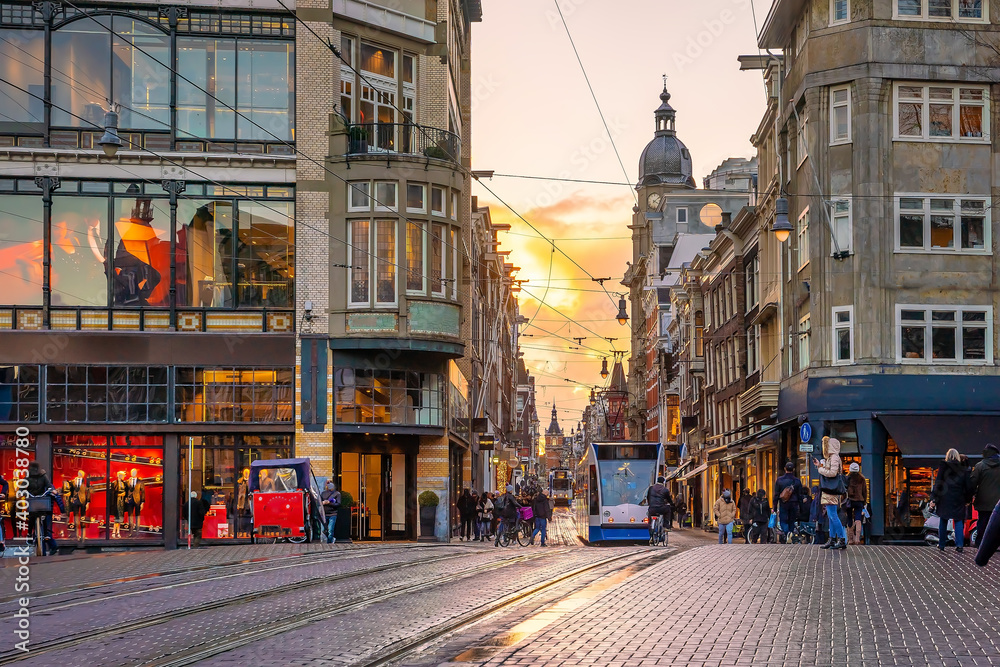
column 857, row 497
column 949, row 497
column 466, row 514
column 788, row 492
column 505, row 508
column 817, row 515
column 989, row 539
column 195, row 509
column 832, row 469
column 484, row 511
column 39, row 485
column 331, row 505
column 725, row 516
column 760, row 514
column 680, row 509
column 985, row 481
column 4, row 490
column 542, row 511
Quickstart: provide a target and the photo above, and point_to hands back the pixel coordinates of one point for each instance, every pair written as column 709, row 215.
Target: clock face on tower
column 653, row 201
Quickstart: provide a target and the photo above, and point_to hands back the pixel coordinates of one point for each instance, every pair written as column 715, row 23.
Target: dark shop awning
column 931, row 436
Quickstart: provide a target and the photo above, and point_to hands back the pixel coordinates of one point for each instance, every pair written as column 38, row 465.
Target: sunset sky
column 533, row 115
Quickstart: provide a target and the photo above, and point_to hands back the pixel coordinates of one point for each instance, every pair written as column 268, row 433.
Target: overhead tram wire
column 594, row 96
column 296, row 151
column 462, row 168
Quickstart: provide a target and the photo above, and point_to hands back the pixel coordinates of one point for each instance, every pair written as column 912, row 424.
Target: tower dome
column 665, row 160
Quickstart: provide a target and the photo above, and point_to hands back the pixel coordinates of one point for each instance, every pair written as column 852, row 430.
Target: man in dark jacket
column 658, row 500
column 985, row 482
column 331, row 505
column 542, row 511
column 39, row 485
column 506, row 510
column 195, row 509
column 989, row 539
column 760, row 513
column 788, row 495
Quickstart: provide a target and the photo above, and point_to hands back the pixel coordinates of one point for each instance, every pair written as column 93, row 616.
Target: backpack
column 500, row 504
column 786, row 493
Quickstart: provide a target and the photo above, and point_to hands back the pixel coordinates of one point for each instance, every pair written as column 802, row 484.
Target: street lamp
column 622, row 314
column 593, row 398
column 110, row 141
column 781, row 227
column 604, row 368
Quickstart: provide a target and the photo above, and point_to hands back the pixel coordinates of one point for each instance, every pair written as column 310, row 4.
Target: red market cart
column 285, row 501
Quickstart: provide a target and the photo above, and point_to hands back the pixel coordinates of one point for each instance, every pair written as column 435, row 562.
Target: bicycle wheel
column 504, row 536
column 523, row 533
column 753, row 535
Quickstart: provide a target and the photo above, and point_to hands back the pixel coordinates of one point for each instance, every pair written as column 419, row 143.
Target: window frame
column 422, row 209
column 422, row 226
column 835, row 216
column 924, row 13
column 928, row 325
column 927, row 212
column 369, row 256
column 437, row 230
column 378, row 205
column 836, row 327
column 351, row 207
column 833, row 13
column 802, row 238
column 394, row 262
column 444, row 204
column 454, row 205
column 925, row 103
column 684, row 210
column 835, row 140
column 803, row 334
column 801, row 139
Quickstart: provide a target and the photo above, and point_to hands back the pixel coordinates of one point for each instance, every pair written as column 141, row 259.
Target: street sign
column 487, row 442
column 805, row 432
column 806, row 448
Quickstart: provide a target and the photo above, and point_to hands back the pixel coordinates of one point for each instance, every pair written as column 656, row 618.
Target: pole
column 190, row 472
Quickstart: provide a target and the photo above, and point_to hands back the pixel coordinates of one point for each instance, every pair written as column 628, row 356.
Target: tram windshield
column 625, row 482
column 562, row 484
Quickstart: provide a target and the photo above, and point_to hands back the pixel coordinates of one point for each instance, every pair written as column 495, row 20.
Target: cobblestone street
column 475, row 604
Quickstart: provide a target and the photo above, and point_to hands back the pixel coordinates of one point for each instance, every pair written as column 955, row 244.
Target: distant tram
column 611, row 484
column 561, row 485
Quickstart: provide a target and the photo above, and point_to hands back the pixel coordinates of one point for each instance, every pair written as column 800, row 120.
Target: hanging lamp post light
column 622, row 311
column 110, row 141
column 781, row 227
column 604, row 368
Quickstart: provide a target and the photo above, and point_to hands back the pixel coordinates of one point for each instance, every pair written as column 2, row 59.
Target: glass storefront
column 368, row 396
column 114, row 247
column 216, row 468
column 123, row 478
column 9, row 465
column 906, row 487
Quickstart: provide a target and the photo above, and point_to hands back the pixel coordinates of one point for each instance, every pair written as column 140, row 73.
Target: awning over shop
column 697, row 471
column 754, row 437
column 679, row 470
column 931, row 436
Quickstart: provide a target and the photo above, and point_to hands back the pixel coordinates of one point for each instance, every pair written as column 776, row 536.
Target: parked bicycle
column 758, row 534
column 803, row 532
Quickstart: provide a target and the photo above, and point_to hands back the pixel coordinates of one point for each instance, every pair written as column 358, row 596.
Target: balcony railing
column 403, row 139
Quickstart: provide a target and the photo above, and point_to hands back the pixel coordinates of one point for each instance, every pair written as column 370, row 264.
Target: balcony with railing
column 387, row 139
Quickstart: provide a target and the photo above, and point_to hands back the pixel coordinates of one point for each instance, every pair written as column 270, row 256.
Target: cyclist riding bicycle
column 505, row 508
column 658, row 500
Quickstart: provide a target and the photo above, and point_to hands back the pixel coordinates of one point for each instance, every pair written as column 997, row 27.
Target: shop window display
column 233, row 395
column 905, row 489
column 8, row 470
column 219, row 477
column 112, row 487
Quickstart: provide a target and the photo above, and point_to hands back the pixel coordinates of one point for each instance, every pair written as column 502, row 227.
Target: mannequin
column 117, row 498
column 76, row 491
column 243, row 502
column 135, row 500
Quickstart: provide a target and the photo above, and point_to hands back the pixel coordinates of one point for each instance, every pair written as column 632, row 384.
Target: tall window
column 682, row 215
column 803, row 338
column 453, row 234
column 933, row 112
column 385, row 258
column 944, row 334
column 360, row 271
column 840, row 115
column 943, row 224
column 802, row 139
column 699, row 334
column 843, row 335
column 415, row 265
column 840, row 11
column 22, row 52
column 753, row 348
column 802, row 238
column 955, row 10
column 437, row 259
column 752, row 270
column 842, row 225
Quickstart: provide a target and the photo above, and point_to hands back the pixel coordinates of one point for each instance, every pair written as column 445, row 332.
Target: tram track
column 437, row 632
column 197, row 654
column 159, row 619
column 309, row 558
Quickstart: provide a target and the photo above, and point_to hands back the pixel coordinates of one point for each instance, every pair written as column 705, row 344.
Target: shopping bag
column 773, row 521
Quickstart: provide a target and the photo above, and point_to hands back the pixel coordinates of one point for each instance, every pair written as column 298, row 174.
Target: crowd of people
column 838, row 505
column 481, row 517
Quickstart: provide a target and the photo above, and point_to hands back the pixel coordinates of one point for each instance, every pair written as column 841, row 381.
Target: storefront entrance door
column 377, row 484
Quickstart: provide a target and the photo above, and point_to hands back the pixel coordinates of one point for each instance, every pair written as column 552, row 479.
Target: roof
column 780, row 21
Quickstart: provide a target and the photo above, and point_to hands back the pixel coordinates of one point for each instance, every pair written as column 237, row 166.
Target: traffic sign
column 805, row 432
column 806, row 448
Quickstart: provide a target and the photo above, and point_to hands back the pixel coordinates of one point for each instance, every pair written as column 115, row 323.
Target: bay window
column 360, row 273
column 944, row 334
column 359, row 196
column 437, row 201
column 415, row 257
column 416, row 198
column 385, row 195
column 934, row 112
column 437, row 260
column 943, row 224
column 385, row 258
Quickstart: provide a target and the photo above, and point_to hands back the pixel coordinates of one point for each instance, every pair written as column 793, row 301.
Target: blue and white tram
column 561, row 486
column 611, row 483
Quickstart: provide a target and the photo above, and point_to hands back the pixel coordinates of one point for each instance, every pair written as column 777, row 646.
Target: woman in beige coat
column 725, row 516
column 832, row 467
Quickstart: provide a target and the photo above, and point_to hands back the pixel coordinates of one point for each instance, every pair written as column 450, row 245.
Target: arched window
column 699, row 331
column 92, row 67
